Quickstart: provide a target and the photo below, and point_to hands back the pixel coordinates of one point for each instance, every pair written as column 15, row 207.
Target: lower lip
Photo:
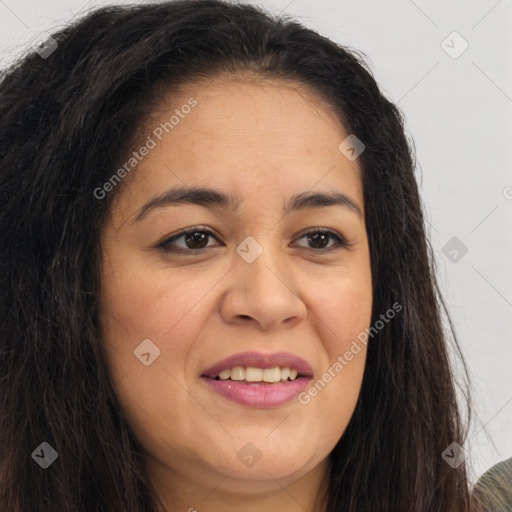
column 257, row 394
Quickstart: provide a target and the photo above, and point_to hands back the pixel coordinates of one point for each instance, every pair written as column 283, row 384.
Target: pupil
column 317, row 236
column 196, row 237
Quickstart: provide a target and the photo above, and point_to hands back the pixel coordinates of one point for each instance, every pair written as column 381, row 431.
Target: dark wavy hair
column 66, row 122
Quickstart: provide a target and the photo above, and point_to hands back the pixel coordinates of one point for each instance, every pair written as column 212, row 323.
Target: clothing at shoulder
column 494, row 488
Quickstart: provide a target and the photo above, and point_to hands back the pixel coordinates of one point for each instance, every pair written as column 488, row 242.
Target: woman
column 297, row 362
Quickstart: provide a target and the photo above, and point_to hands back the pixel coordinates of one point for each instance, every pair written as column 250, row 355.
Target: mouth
column 249, row 374
column 259, row 380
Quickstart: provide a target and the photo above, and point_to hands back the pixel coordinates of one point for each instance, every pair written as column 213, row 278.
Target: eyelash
column 165, row 244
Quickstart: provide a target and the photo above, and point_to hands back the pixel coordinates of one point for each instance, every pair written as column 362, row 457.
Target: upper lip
column 260, row 360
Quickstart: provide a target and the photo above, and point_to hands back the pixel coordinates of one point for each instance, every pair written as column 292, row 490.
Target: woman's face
column 260, row 284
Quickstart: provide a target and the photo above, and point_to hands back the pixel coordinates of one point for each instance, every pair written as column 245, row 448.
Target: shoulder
column 494, row 488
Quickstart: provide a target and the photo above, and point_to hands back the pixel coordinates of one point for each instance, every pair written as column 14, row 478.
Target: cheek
column 142, row 302
column 347, row 314
column 344, row 305
column 344, row 312
column 138, row 303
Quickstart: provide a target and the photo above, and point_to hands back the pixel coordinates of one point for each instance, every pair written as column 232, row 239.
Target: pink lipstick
column 239, row 378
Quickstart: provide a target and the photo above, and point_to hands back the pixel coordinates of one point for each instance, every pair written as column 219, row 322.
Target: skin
column 267, row 141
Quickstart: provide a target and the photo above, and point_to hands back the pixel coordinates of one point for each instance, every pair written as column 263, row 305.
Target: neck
column 201, row 490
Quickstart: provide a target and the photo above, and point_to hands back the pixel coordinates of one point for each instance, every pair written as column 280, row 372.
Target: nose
column 262, row 291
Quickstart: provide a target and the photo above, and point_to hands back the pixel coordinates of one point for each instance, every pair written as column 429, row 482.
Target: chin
column 248, row 467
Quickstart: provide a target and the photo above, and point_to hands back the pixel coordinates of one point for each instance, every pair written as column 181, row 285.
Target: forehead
column 253, row 138
column 253, row 111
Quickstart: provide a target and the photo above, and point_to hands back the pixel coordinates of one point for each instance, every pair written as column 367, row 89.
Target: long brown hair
column 66, row 120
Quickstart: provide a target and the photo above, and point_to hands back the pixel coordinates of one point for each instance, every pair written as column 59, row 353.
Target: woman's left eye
column 195, row 238
column 320, row 235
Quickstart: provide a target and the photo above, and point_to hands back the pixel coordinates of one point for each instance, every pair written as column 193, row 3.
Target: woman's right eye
column 192, row 238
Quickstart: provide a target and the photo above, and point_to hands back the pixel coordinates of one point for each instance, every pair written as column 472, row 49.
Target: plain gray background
column 457, row 103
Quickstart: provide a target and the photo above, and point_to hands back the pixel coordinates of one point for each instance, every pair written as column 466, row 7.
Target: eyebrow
column 208, row 197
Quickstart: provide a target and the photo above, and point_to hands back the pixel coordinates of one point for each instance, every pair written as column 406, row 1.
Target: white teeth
column 271, row 374
column 253, row 374
column 224, row 374
column 237, row 373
